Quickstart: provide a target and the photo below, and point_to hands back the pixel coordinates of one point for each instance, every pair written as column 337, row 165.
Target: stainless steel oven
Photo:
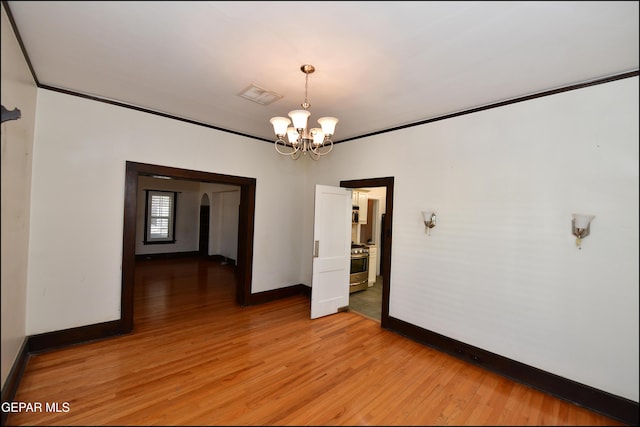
column 359, row 272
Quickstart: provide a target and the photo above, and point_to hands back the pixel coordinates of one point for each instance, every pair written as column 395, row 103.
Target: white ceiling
column 378, row 64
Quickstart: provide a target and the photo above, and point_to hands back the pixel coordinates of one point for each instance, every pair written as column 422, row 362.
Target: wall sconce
column 429, row 220
column 580, row 227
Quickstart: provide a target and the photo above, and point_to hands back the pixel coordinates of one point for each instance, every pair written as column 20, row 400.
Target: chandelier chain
column 306, row 104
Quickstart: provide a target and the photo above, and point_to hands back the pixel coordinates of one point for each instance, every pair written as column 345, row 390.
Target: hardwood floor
column 196, row 358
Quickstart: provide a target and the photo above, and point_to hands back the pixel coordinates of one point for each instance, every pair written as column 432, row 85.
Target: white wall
column 501, row 270
column 224, row 217
column 215, row 224
column 18, row 91
column 81, row 148
column 229, row 209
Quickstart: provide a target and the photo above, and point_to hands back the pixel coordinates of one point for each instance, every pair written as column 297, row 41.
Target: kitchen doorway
column 384, row 246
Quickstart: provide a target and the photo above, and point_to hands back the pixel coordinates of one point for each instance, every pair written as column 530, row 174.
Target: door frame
column 386, row 182
column 245, row 229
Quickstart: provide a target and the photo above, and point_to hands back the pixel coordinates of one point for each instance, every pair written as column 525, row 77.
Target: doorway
column 245, row 229
column 203, row 236
column 384, row 249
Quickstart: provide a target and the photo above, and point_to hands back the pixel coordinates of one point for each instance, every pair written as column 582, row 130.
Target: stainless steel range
column 359, row 273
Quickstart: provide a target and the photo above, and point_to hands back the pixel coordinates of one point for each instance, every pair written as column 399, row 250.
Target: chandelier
column 315, row 141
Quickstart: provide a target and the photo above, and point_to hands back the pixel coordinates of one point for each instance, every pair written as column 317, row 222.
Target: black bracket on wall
column 10, row 115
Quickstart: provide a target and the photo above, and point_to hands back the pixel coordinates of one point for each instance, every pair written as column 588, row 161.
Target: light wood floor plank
column 196, row 358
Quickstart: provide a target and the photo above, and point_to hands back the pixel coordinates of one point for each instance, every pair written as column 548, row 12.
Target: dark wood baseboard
column 306, row 291
column 82, row 334
column 168, row 255
column 72, row 336
column 177, row 255
column 599, row 401
column 10, row 386
column 267, row 296
column 222, row 259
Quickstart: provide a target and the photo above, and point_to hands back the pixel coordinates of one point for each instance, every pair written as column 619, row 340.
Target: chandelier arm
column 330, row 147
column 281, row 142
column 326, row 143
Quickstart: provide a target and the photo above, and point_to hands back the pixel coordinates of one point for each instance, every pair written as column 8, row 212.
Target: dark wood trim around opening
column 386, row 182
column 245, row 228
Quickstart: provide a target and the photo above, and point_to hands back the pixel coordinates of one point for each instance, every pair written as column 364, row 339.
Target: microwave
column 355, row 215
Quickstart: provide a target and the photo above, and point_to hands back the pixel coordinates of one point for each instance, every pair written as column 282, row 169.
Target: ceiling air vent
column 259, row 95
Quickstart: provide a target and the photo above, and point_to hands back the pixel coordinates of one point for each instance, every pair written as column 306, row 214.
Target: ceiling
column 379, row 65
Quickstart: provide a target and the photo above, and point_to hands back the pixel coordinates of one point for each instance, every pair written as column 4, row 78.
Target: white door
column 332, row 250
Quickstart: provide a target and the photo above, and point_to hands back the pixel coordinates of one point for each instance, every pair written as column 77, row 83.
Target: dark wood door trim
column 386, row 182
column 245, row 229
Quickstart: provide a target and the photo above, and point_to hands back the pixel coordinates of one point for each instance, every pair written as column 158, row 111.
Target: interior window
column 160, row 217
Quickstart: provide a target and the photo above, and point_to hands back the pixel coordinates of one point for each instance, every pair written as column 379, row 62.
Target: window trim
column 148, row 240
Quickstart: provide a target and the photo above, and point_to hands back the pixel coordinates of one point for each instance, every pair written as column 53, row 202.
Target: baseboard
column 167, row 255
column 72, row 336
column 223, row 259
column 267, row 296
column 67, row 337
column 306, row 291
column 10, row 387
column 192, row 254
column 599, row 401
